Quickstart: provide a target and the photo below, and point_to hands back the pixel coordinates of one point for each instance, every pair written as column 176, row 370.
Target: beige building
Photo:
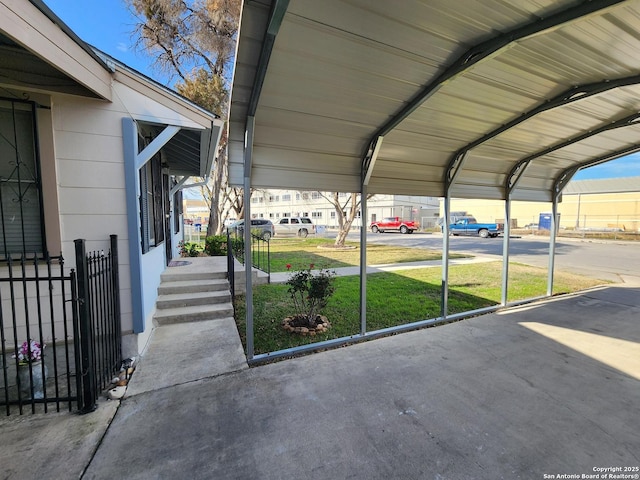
column 600, row 205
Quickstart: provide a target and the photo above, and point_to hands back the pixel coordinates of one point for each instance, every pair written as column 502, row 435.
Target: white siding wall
column 91, row 187
column 91, row 181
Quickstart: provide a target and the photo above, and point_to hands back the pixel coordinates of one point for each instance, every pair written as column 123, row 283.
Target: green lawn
column 300, row 253
column 397, row 298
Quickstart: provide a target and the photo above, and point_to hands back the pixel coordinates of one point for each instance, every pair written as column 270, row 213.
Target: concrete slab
column 184, row 352
column 499, row 396
column 52, row 446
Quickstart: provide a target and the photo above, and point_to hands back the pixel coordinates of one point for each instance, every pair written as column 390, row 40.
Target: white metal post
column 552, row 244
column 444, row 293
column 505, row 250
column 363, row 261
column 248, row 269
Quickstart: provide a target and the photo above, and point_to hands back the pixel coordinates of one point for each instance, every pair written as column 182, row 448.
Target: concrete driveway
column 551, row 388
column 544, row 390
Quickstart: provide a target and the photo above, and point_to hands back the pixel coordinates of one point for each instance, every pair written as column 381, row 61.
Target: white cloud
column 122, row 47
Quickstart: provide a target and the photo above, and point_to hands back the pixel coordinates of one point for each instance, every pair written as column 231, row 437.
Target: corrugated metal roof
column 604, row 185
column 459, row 90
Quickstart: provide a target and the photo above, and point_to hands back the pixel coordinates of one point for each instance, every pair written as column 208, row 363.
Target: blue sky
column 107, row 25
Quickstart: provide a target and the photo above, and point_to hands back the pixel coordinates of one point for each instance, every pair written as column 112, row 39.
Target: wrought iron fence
column 99, row 321
column 60, row 330
column 260, row 255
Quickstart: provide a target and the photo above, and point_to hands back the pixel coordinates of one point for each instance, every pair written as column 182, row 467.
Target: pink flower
column 29, row 350
column 288, row 266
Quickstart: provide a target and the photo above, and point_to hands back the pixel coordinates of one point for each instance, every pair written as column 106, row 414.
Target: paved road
column 600, row 259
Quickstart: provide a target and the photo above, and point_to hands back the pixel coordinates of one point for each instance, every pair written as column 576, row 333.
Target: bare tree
column 346, row 213
column 195, row 40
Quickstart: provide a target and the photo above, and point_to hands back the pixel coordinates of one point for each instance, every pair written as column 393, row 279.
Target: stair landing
column 196, row 335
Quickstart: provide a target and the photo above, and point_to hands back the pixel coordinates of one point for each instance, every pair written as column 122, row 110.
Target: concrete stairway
column 196, row 336
column 188, row 295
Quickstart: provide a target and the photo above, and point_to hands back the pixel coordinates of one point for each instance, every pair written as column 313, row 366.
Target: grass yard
column 396, row 298
column 300, row 253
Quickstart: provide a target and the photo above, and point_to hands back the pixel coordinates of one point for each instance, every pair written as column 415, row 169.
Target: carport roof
column 478, row 99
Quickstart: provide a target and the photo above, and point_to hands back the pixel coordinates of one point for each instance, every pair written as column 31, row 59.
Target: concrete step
column 169, row 316
column 193, row 286
column 176, row 300
column 173, row 276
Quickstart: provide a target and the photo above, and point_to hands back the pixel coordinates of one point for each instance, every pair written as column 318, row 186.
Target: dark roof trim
column 521, row 166
column 488, row 48
column 39, row 4
column 567, row 97
column 278, row 9
column 565, row 176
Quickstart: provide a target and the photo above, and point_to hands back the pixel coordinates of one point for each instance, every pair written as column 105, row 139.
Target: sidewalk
column 282, row 277
column 515, row 394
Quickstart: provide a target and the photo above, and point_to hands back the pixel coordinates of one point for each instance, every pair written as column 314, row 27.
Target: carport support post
column 505, row 251
column 444, row 292
column 248, row 263
column 363, row 260
column 552, row 244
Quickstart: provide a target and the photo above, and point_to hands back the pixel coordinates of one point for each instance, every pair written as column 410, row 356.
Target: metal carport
column 482, row 99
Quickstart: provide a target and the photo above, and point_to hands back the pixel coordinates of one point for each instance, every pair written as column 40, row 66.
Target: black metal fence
column 60, row 330
column 260, row 255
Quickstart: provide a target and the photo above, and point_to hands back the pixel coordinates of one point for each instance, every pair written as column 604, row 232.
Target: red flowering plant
column 310, row 290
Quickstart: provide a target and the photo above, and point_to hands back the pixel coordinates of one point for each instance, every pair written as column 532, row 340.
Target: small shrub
column 310, row 291
column 215, row 245
column 189, row 249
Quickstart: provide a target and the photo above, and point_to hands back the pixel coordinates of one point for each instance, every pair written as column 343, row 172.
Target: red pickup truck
column 394, row 223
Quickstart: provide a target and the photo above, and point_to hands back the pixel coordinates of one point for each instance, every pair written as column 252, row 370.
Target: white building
column 276, row 204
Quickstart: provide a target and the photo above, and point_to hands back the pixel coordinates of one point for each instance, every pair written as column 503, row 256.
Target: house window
column 286, row 197
column 151, row 211
column 315, row 195
column 20, row 187
column 316, row 214
column 333, row 214
column 297, row 196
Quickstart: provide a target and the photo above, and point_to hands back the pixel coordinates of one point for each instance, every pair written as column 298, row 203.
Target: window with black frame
column 151, row 204
column 21, row 213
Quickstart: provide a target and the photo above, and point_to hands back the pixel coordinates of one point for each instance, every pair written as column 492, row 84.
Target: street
column 602, row 259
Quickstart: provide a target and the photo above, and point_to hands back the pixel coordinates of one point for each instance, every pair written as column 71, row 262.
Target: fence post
column 230, row 266
column 87, row 397
column 115, row 272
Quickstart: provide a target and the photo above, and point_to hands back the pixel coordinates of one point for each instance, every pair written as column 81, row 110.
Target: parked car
column 394, row 223
column 259, row 226
column 470, row 226
column 300, row 226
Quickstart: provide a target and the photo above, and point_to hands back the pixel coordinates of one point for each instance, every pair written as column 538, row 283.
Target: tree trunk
column 341, row 238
